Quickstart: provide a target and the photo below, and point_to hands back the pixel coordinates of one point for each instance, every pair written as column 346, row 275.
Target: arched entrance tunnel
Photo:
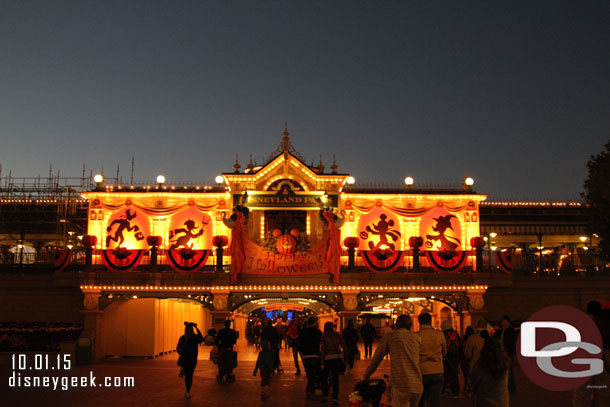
column 145, row 321
column 257, row 309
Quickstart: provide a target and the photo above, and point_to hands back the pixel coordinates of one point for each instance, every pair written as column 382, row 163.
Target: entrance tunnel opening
column 251, row 316
column 385, row 310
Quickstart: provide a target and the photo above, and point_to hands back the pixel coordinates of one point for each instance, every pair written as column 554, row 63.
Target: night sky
column 515, row 94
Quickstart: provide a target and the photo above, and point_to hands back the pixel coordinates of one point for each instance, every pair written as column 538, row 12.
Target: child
column 264, row 363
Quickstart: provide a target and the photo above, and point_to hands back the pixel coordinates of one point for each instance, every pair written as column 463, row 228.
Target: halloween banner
column 441, row 231
column 127, row 229
column 190, row 229
column 122, row 260
column 261, row 261
column 504, row 258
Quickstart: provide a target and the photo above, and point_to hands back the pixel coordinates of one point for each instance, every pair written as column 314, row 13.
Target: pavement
column 157, row 384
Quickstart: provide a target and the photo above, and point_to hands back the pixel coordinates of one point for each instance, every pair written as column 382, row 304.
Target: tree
column 597, row 197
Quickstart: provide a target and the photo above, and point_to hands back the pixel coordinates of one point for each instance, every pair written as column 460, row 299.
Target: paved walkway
column 157, row 384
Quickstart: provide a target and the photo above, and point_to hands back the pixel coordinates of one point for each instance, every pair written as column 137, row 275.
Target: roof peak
column 285, row 146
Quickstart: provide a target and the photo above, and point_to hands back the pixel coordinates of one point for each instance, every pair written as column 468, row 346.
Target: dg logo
column 560, row 348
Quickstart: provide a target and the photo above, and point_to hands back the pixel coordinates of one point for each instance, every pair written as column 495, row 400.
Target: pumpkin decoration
column 416, row 241
column 295, row 232
column 351, row 242
column 154, row 240
column 286, row 244
column 220, row 241
column 276, row 233
column 89, row 240
column 477, row 242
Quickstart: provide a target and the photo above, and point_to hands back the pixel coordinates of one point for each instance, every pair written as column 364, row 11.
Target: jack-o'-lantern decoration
column 286, row 244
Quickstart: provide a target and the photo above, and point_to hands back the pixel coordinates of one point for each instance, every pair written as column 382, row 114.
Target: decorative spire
column 334, row 167
column 236, row 165
column 321, row 166
column 285, row 146
column 250, row 165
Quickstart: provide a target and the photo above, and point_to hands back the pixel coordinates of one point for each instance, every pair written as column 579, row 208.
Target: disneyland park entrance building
column 284, row 237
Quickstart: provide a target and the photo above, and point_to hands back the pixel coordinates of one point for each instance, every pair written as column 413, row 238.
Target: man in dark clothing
column 350, row 337
column 508, row 337
column 188, row 349
column 269, row 334
column 368, row 333
column 225, row 339
column 309, row 344
column 451, row 360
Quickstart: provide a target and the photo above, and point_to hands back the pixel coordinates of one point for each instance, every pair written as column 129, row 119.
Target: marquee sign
column 285, row 197
column 284, row 307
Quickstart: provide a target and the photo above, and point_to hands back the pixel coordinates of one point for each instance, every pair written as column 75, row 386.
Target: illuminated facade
column 281, row 236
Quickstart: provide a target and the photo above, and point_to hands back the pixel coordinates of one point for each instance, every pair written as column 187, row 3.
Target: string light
column 288, row 288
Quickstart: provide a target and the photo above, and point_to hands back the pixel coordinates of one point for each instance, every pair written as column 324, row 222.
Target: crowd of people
column 424, row 365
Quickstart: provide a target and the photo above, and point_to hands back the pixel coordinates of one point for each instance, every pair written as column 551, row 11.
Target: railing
column 528, row 264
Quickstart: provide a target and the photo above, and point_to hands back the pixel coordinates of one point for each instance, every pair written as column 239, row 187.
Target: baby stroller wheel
column 218, row 379
column 230, row 378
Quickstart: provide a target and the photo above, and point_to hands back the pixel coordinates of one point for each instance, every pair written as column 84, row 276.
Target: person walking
column 350, row 337
column 188, row 349
column 433, row 349
column 368, row 333
column 508, row 338
column 465, row 362
column 264, row 364
column 403, row 346
column 489, row 377
column 474, row 346
column 332, row 356
column 451, row 361
column 225, row 340
column 309, row 344
column 292, row 335
column 270, row 334
column 258, row 327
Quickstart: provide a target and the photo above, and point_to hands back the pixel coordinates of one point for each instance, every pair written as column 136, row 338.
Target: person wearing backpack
column 451, row 360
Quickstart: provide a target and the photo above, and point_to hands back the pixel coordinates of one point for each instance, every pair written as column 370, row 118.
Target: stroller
column 371, row 392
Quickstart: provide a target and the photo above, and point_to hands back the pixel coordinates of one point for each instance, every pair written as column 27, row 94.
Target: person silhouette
column 188, row 349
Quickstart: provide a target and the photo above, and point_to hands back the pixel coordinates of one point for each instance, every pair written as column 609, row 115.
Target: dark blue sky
column 514, row 94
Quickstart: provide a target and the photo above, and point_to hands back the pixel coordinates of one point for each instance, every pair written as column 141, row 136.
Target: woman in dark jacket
column 188, row 349
column 332, row 348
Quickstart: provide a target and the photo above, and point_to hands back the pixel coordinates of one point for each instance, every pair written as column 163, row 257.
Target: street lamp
column 219, row 179
column 409, row 182
column 99, row 181
column 160, row 180
column 468, row 183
